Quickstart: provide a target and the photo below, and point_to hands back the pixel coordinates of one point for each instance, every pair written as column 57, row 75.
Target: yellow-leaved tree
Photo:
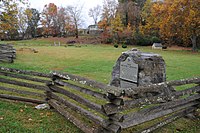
column 175, row 20
column 116, row 27
column 8, row 18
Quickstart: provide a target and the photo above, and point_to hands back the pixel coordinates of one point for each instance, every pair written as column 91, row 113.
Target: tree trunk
column 194, row 42
column 76, row 32
column 23, row 35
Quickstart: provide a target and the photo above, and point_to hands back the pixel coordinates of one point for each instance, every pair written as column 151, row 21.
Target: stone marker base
column 151, row 69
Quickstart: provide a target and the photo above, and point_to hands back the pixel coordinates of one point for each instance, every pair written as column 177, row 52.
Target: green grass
column 20, row 117
column 94, row 62
column 98, row 60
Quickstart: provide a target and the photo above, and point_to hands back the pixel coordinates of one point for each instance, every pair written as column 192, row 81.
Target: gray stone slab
column 126, row 84
column 129, row 70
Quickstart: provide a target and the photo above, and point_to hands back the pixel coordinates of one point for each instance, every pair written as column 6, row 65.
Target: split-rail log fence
column 7, row 53
column 88, row 103
column 21, row 85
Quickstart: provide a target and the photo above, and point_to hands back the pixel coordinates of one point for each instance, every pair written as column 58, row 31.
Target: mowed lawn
column 91, row 61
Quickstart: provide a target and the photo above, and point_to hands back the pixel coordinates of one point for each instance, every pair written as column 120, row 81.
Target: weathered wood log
column 111, row 108
column 116, row 117
column 7, row 51
column 32, row 73
column 164, row 106
column 9, row 55
column 19, row 83
column 9, row 60
column 195, row 80
column 21, row 91
column 98, row 120
column 88, row 114
column 3, row 96
column 2, row 49
column 23, row 77
column 81, row 89
column 150, row 88
column 168, row 120
column 188, row 91
column 70, row 117
column 141, row 118
column 113, row 128
column 81, row 80
column 117, row 101
column 160, row 98
column 77, row 98
column 6, row 45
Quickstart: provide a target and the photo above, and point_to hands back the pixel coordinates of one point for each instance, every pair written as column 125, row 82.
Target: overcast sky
column 87, row 4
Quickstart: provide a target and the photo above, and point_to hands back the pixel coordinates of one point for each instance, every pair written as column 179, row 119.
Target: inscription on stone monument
column 129, row 70
column 126, row 84
column 128, row 73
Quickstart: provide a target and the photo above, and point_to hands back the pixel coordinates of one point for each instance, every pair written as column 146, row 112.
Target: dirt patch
column 28, row 50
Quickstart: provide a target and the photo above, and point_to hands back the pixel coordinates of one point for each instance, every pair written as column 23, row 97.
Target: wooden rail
column 112, row 109
column 26, row 86
column 167, row 105
column 7, row 53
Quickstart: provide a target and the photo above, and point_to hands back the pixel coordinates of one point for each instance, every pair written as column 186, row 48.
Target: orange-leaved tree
column 49, row 19
column 175, row 20
column 8, row 18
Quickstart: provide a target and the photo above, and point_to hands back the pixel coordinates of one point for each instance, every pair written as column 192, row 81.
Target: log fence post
column 113, row 116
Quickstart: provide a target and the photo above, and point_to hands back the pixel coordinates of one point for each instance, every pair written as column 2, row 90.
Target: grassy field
column 91, row 61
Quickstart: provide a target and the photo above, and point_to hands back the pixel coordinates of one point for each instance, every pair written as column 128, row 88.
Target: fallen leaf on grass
column 48, row 114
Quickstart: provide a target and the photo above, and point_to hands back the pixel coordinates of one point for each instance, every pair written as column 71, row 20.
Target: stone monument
column 135, row 68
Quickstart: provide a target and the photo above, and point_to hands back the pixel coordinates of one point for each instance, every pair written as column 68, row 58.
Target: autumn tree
column 24, row 15
column 146, row 11
column 130, row 13
column 49, row 15
column 116, row 27
column 95, row 13
column 75, row 16
column 140, row 3
column 109, row 10
column 62, row 20
column 175, row 20
column 8, row 18
column 33, row 16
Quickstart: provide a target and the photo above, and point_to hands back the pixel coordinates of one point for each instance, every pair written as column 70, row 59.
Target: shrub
column 116, row 45
column 155, row 39
column 124, row 45
column 143, row 40
column 109, row 40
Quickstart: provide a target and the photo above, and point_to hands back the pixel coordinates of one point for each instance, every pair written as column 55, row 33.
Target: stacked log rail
column 21, row 85
column 7, row 53
column 167, row 105
column 84, row 105
column 113, row 109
